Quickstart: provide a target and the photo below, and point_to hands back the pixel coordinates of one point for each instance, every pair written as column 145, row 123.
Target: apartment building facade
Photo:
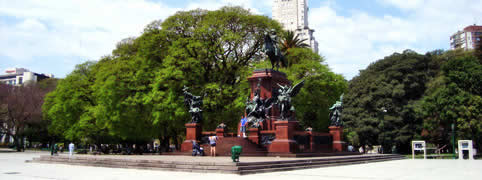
column 466, row 39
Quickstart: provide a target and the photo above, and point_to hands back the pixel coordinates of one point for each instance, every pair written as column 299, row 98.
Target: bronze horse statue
column 273, row 51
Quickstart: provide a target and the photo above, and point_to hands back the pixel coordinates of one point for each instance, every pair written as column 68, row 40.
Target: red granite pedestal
column 337, row 134
column 220, row 132
column 284, row 142
column 268, row 80
column 253, row 135
column 193, row 133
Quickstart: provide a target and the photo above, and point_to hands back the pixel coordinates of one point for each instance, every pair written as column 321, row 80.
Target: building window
column 20, row 80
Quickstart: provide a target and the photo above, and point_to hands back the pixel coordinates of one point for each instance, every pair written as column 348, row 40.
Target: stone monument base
column 193, row 133
column 284, row 142
column 253, row 135
column 337, row 133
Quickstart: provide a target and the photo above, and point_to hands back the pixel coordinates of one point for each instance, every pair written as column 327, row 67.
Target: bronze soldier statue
column 194, row 104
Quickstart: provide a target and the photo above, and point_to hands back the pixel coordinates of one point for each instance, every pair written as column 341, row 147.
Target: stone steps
column 224, row 145
column 184, row 166
column 304, row 166
column 251, row 168
column 241, row 168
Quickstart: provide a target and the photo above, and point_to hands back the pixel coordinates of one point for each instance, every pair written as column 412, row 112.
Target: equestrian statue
column 271, row 48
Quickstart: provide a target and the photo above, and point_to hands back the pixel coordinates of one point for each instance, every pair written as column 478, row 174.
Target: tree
column 393, row 84
column 478, row 50
column 69, row 109
column 454, row 97
column 290, row 40
column 4, row 88
column 20, row 109
column 135, row 94
column 210, row 51
column 37, row 131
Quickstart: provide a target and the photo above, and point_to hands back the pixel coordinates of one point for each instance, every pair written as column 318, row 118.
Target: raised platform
column 248, row 165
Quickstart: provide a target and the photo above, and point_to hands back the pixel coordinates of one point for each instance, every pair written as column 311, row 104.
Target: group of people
column 125, row 148
column 55, row 149
column 198, row 150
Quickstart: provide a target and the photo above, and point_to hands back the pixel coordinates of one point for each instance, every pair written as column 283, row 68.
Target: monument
column 336, row 126
column 193, row 129
column 271, row 117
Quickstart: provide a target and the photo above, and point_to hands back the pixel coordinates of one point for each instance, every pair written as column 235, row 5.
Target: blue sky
column 52, row 36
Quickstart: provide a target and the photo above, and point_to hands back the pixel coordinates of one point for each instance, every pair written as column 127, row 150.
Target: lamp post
column 382, row 125
column 453, row 138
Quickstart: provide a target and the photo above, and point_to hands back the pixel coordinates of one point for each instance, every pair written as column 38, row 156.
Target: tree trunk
column 165, row 144
column 176, row 141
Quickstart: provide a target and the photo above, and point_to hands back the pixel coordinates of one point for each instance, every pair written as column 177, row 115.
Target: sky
column 52, row 36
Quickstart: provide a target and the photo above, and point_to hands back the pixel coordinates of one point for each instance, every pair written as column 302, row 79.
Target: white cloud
column 351, row 43
column 88, row 29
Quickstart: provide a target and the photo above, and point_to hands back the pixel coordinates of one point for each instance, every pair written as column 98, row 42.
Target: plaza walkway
column 13, row 166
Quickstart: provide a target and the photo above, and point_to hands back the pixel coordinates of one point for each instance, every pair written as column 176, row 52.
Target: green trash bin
column 236, row 152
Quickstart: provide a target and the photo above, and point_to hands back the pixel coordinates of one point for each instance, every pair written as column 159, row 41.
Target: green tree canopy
column 454, row 97
column 392, row 84
column 69, row 108
column 135, row 94
column 210, row 52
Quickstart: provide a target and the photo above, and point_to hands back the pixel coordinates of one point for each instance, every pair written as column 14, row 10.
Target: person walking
column 56, row 149
column 212, row 142
column 52, row 150
column 71, row 149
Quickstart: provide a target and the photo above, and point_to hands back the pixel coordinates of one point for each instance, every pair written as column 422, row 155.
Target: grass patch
column 432, row 156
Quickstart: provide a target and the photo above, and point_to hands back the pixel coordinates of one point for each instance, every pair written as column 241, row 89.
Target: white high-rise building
column 293, row 16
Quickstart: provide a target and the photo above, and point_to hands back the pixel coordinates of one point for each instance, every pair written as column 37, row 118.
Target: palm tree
column 289, row 40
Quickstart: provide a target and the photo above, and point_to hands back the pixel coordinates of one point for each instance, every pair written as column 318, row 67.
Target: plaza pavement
column 13, row 167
